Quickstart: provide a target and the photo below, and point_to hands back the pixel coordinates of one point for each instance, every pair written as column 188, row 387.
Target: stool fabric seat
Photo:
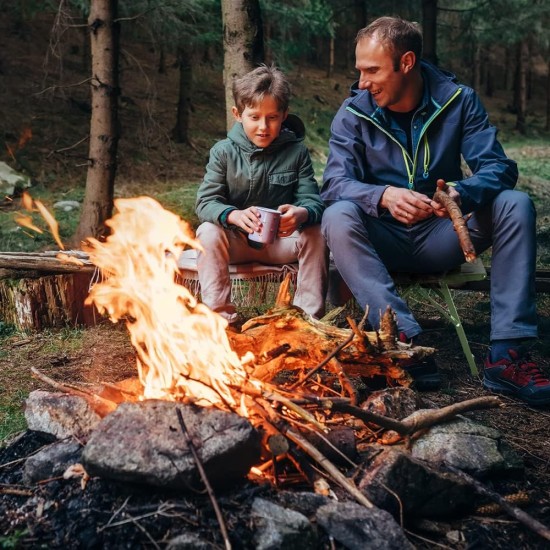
column 252, row 284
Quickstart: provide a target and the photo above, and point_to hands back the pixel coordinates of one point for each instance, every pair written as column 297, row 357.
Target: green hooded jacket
column 239, row 175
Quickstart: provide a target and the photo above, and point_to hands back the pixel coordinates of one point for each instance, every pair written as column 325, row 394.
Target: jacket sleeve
column 212, row 195
column 307, row 190
column 492, row 170
column 345, row 172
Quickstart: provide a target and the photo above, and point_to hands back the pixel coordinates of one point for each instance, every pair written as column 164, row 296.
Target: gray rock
column 143, row 443
column 11, row 180
column 189, row 541
column 358, row 528
column 67, row 206
column 397, row 482
column 469, row 446
column 305, row 502
column 52, row 461
column 395, row 403
column 60, row 414
column 278, row 527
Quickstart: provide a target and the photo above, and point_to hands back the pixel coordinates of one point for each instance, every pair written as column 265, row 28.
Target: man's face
column 261, row 123
column 377, row 74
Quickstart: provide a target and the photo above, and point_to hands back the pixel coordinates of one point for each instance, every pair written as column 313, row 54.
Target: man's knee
column 514, row 203
column 337, row 216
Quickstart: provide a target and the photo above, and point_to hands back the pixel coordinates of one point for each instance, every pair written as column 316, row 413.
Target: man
column 404, row 127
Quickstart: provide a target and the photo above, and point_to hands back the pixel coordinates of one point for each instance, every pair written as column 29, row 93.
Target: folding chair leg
column 453, row 316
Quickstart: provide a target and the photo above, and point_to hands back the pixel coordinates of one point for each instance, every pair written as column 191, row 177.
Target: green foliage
column 13, row 541
column 294, row 24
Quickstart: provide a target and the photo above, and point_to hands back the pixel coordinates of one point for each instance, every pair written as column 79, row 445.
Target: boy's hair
column 397, row 35
column 251, row 88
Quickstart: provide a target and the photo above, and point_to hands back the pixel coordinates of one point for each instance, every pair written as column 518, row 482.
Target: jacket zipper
column 406, row 157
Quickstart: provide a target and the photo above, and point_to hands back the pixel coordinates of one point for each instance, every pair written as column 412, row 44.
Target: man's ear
column 236, row 114
column 408, row 62
column 285, row 114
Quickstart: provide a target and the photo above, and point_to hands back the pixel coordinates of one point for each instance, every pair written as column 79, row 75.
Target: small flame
column 183, row 349
column 26, row 221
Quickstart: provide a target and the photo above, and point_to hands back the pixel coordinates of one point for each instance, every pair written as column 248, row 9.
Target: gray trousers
column 224, row 246
column 365, row 249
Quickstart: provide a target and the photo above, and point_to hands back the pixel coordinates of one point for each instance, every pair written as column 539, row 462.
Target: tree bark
column 548, row 97
column 98, row 201
column 181, row 130
column 429, row 30
column 243, row 44
column 521, row 84
column 44, row 302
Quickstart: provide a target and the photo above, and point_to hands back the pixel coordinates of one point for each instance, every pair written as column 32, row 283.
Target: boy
column 262, row 162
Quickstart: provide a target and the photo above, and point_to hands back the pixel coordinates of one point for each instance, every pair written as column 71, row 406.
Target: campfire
column 288, row 374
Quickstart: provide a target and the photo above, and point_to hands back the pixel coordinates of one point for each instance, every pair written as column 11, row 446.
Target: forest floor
column 151, row 163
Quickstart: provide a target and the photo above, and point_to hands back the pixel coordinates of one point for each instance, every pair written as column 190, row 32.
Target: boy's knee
column 209, row 234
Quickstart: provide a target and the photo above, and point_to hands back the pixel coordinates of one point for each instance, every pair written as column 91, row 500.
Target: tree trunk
column 548, row 97
column 429, row 30
column 47, row 301
column 98, row 201
column 521, row 83
column 476, row 67
column 330, row 68
column 243, row 44
column 181, row 130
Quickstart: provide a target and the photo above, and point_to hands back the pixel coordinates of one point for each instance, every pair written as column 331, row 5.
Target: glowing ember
column 182, row 347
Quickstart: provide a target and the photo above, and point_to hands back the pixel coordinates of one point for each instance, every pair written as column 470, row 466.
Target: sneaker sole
column 503, row 390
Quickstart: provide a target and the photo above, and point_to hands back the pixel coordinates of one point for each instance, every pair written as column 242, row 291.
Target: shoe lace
column 523, row 365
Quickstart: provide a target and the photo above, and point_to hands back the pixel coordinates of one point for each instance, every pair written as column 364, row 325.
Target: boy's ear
column 285, row 114
column 236, row 114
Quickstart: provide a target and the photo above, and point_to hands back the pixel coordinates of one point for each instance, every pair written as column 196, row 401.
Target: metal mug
column 270, row 225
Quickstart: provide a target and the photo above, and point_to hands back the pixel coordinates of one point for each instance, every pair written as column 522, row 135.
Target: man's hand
column 247, row 219
column 292, row 218
column 439, row 210
column 406, row 205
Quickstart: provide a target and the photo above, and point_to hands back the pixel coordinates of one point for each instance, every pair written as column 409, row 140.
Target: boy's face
column 262, row 122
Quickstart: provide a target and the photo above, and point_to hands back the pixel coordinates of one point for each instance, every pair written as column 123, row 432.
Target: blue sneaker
column 519, row 377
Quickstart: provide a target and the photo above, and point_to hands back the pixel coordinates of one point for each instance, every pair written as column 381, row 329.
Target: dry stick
column 459, row 223
column 102, row 406
column 514, row 511
column 323, row 362
column 204, row 478
column 331, row 354
column 280, row 424
column 417, row 421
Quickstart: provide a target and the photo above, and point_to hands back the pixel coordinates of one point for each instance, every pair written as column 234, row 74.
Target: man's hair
column 397, row 35
column 251, row 88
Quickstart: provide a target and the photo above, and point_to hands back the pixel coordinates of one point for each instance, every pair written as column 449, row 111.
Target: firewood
column 459, row 223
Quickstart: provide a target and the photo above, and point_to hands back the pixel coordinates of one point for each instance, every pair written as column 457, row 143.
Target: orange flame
column 182, row 346
column 26, row 221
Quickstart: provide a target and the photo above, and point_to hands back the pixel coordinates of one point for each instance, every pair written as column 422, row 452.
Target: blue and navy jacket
column 368, row 152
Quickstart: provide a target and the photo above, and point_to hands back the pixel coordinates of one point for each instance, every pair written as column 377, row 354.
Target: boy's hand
column 247, row 219
column 292, row 218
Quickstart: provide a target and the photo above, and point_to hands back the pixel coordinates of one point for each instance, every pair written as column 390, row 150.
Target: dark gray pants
column 365, row 249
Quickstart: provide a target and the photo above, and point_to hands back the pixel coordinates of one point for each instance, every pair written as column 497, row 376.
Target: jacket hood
column 292, row 130
column 438, row 83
